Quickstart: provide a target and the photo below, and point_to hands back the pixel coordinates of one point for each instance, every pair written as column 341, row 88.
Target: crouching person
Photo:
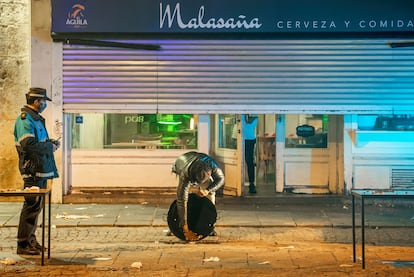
column 198, row 173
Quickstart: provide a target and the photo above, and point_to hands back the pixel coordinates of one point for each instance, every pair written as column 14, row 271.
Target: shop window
column 401, row 122
column 306, row 131
column 134, row 131
column 227, row 131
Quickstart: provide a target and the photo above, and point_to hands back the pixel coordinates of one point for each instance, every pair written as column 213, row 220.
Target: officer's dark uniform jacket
column 182, row 168
column 33, row 146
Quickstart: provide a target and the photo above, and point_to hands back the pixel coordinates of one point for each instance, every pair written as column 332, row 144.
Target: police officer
column 200, row 174
column 36, row 165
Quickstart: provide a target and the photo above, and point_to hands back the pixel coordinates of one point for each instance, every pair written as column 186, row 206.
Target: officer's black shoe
column 38, row 246
column 27, row 250
column 35, row 244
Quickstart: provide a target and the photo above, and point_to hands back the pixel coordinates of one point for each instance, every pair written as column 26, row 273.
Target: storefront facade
column 147, row 81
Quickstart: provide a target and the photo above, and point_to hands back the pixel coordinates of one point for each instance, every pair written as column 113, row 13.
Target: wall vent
column 402, row 178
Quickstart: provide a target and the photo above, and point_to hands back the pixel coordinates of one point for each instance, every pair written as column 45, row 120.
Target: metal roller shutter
column 258, row 76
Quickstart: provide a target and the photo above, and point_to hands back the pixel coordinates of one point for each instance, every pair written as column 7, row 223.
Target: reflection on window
column 134, row 131
column 227, row 136
column 401, row 122
column 313, row 131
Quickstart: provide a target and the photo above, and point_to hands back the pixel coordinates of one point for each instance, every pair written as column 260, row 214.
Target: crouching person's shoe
column 27, row 250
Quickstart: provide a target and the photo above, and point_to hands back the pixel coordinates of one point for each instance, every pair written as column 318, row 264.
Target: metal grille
column 239, row 76
column 403, row 178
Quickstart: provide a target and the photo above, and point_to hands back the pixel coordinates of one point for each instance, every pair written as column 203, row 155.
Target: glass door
column 312, row 153
column 227, row 148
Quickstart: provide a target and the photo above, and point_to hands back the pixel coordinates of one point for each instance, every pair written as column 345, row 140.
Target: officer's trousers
column 32, row 207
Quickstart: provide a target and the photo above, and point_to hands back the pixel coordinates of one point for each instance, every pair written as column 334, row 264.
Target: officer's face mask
column 42, row 106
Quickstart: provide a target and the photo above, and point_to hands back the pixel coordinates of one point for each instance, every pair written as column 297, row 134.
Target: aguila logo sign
column 76, row 16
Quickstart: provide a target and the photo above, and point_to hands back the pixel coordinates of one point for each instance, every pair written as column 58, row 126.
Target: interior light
column 169, row 122
column 192, row 123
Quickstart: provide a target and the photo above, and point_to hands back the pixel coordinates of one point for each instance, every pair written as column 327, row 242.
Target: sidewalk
column 293, row 236
column 316, row 212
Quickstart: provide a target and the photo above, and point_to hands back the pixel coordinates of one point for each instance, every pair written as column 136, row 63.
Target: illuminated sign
column 76, row 17
column 232, row 16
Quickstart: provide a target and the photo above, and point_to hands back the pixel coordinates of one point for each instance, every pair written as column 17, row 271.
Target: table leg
column 363, row 231
column 43, row 229
column 48, row 226
column 353, row 228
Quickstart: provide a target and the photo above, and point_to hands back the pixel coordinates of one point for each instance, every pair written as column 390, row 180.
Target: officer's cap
column 37, row 93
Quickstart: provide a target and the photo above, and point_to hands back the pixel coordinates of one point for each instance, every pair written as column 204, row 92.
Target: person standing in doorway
column 36, row 165
column 249, row 135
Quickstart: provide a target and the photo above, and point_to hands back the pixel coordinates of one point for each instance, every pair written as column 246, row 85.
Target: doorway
column 264, row 157
column 286, row 159
column 227, row 145
column 310, row 154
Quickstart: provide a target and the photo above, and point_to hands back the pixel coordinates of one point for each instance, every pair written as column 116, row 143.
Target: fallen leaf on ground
column 211, row 259
column 136, row 264
column 8, row 261
column 102, row 259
